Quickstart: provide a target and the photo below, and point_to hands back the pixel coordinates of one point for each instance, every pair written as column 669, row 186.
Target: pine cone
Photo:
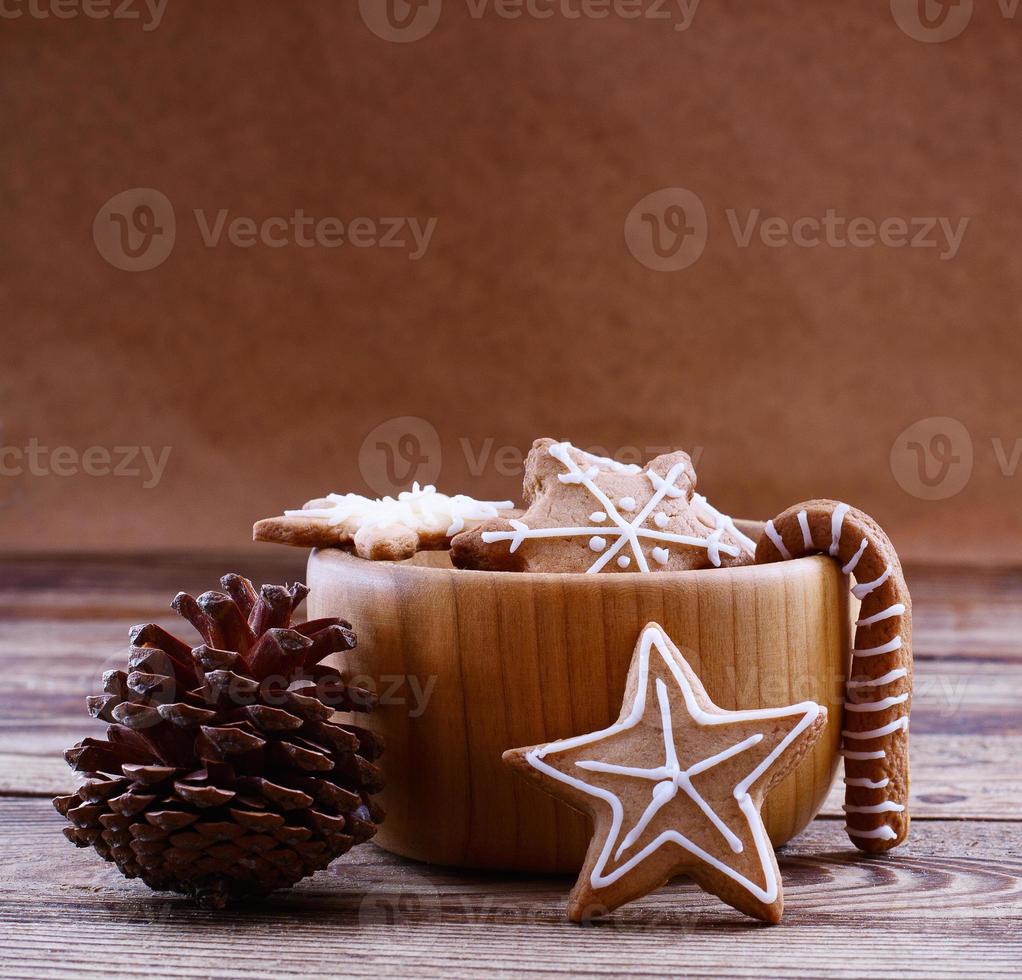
column 222, row 775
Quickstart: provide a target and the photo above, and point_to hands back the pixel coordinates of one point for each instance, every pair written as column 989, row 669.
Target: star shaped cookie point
column 675, row 786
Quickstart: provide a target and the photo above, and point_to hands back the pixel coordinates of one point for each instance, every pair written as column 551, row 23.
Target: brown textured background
column 529, row 140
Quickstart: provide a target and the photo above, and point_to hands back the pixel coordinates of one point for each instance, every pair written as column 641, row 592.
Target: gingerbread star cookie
column 420, row 519
column 588, row 513
column 675, row 786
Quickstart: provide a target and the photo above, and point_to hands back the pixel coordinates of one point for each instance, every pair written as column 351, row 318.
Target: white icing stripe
column 631, row 533
column 771, row 533
column 837, row 520
column 606, row 462
column 723, row 522
column 652, row 637
column 881, row 833
column 713, row 547
column 888, row 647
column 863, row 590
column 898, row 609
column 891, row 675
column 866, row 783
column 888, row 806
column 807, row 537
column 850, row 567
column 901, row 724
column 876, row 705
column 863, row 756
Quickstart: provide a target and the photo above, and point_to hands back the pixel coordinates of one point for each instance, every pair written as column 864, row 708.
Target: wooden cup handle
column 878, row 691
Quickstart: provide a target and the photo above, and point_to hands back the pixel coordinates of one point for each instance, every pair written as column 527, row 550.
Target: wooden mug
column 468, row 664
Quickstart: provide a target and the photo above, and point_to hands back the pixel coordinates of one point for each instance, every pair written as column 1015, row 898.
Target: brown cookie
column 588, row 514
column 675, row 786
column 879, row 688
column 387, row 529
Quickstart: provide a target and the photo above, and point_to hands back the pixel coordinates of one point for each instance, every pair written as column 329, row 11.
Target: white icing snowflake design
column 608, row 522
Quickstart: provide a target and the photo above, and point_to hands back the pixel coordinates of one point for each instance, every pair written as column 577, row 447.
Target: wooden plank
column 948, row 904
column 70, row 575
column 33, row 775
column 967, row 612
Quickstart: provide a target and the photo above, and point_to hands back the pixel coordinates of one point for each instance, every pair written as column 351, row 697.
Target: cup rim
column 408, row 569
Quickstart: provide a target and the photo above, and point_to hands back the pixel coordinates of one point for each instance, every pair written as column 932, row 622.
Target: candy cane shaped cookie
column 878, row 691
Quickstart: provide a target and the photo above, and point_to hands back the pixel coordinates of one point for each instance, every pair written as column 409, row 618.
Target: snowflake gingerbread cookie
column 675, row 786
column 590, row 514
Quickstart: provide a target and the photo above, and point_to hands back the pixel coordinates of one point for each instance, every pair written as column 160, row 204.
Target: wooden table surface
column 949, row 903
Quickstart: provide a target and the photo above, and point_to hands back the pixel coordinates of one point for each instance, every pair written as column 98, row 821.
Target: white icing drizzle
column 668, row 487
column 421, row 509
column 771, row 533
column 850, row 567
column 713, row 546
column 670, row 778
column 888, row 806
column 865, row 783
column 898, row 609
column 900, row 724
column 891, row 675
column 807, row 536
column 863, row 590
column 888, row 647
column 627, row 533
column 596, row 543
column 882, row 705
column 880, row 833
column 606, row 462
column 724, row 523
column 837, row 520
column 863, row 756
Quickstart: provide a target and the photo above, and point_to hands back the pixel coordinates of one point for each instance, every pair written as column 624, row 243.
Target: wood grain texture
column 948, row 904
column 523, row 659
